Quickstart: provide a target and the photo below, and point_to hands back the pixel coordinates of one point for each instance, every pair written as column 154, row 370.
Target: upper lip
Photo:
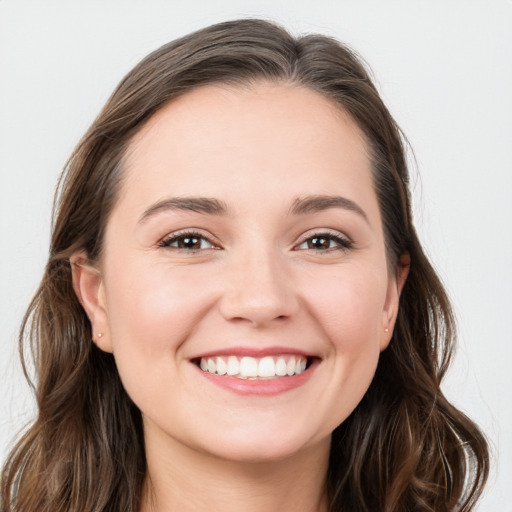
column 258, row 352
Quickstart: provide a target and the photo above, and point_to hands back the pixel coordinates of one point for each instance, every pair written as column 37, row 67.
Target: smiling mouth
column 255, row 368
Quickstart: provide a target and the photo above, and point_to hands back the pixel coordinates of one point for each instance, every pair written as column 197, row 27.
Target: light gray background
column 444, row 67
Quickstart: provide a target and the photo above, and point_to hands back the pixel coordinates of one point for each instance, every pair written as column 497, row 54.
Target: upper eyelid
column 324, row 231
column 188, row 231
column 191, row 232
column 345, row 243
column 214, row 240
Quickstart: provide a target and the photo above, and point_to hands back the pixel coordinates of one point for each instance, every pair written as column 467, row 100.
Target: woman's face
column 245, row 244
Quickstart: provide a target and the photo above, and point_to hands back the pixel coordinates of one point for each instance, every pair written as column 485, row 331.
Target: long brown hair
column 405, row 448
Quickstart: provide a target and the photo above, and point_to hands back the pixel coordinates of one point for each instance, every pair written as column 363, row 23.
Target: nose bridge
column 257, row 288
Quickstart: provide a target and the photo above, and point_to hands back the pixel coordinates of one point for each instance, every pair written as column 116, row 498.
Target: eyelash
column 177, row 237
column 343, row 243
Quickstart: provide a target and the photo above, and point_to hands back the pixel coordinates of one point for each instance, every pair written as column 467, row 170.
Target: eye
column 187, row 241
column 322, row 242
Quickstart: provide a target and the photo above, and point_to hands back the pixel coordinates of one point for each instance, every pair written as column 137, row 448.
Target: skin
column 255, row 280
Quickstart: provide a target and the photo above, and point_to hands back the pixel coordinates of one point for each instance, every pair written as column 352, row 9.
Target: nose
column 258, row 290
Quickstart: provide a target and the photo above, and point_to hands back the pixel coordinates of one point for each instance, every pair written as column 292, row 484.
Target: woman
column 234, row 234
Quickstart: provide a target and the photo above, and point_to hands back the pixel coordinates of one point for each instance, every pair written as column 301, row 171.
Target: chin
column 253, row 447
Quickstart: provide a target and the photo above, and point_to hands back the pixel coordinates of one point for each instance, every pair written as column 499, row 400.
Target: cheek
column 349, row 305
column 154, row 309
column 152, row 312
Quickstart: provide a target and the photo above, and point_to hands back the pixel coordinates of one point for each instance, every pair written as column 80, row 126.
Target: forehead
column 266, row 139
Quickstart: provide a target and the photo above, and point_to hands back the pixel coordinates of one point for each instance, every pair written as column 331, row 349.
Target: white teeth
column 266, row 367
column 290, row 367
column 281, row 367
column 233, row 365
column 253, row 368
column 222, row 367
column 248, row 367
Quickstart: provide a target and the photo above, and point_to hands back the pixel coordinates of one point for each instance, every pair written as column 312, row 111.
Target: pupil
column 319, row 242
column 190, row 242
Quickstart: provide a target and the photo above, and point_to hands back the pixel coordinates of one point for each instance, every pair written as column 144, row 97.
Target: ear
column 89, row 288
column 395, row 286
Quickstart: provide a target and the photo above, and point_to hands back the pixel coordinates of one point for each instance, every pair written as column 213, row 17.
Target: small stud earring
column 100, row 334
column 386, row 330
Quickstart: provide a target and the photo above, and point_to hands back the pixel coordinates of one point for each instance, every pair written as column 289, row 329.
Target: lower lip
column 266, row 387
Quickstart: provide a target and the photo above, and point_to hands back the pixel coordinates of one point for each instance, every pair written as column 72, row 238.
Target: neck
column 181, row 479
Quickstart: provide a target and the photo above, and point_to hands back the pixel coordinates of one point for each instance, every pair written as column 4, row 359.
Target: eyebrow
column 206, row 205
column 212, row 206
column 318, row 203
